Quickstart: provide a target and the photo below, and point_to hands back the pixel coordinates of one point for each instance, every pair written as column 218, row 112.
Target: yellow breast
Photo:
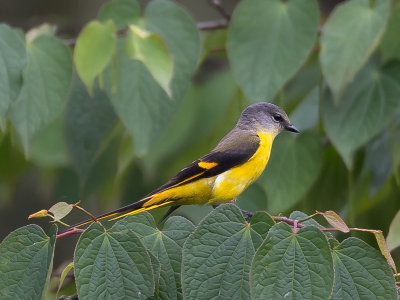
column 230, row 184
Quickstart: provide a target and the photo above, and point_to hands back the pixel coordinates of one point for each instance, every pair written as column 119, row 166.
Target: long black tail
column 130, row 207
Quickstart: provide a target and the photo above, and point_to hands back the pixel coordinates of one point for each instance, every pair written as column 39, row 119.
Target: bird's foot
column 247, row 214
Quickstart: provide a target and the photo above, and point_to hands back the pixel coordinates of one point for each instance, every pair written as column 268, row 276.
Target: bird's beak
column 292, row 128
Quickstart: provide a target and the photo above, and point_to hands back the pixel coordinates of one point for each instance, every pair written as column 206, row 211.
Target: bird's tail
column 130, row 209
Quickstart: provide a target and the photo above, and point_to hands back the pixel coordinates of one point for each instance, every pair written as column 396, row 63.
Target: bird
column 223, row 174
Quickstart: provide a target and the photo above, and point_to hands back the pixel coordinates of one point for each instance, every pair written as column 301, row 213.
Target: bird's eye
column 277, row 118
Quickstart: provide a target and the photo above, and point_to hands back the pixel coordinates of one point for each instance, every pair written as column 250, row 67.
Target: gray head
column 265, row 117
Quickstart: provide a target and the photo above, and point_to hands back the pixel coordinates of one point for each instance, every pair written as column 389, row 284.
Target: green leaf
column 60, row 210
column 13, row 61
column 261, row 222
column 64, row 274
column 49, row 148
column 165, row 245
column 26, row 258
column 253, row 198
column 292, row 266
column 179, row 31
column 47, row 80
column 93, row 50
column 350, row 35
column 121, row 12
column 139, row 101
column 361, row 272
column 88, row 120
column 152, row 51
column 367, row 107
column 378, row 161
column 293, row 167
column 393, row 237
column 391, row 41
column 217, row 256
column 306, row 115
column 206, row 98
column 112, row 264
column 268, row 41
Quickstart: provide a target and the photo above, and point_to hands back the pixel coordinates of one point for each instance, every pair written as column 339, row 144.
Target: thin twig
column 70, row 232
column 218, row 5
column 288, row 221
column 86, row 212
column 72, row 297
column 212, row 25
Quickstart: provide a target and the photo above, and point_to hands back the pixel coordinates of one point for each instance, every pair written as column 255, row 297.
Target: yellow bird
column 223, row 174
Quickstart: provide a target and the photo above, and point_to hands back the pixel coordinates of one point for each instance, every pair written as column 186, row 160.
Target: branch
column 218, row 6
column 212, row 25
column 69, row 232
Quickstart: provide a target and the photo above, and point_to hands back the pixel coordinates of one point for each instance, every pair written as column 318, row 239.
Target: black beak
column 292, row 128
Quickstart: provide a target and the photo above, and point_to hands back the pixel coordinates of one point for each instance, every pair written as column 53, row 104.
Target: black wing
column 212, row 164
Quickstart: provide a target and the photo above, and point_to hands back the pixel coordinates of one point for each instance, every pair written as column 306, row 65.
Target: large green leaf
column 49, row 148
column 367, row 106
column 165, row 245
column 361, row 272
column 207, row 98
column 378, row 162
column 390, row 45
column 292, row 266
column 93, row 50
column 88, row 119
column 306, row 115
column 46, row 83
column 139, row 101
column 349, row 37
column 112, row 264
column 179, row 31
column 12, row 62
column 268, row 41
column 26, row 258
column 293, row 167
column 122, row 12
column 217, row 256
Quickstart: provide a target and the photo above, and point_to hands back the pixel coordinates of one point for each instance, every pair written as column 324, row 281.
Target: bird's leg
column 169, row 212
column 248, row 214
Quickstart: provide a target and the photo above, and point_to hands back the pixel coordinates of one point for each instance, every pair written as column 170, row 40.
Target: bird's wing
column 233, row 153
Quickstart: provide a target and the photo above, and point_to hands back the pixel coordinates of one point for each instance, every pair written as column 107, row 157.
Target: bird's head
column 266, row 117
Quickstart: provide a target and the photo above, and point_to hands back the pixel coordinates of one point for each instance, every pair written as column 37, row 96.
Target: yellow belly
column 223, row 187
column 232, row 183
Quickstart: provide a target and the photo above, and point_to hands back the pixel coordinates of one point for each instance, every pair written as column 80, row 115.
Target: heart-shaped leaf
column 26, row 258
column 361, row 272
column 112, row 264
column 293, row 266
column 93, row 50
column 217, row 255
column 268, row 41
column 46, row 82
column 367, row 106
column 293, row 167
column 349, row 37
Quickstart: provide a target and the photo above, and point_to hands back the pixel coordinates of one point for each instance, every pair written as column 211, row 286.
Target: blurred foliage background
column 332, row 65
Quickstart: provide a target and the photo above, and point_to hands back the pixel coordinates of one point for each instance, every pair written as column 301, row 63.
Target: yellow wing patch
column 207, row 165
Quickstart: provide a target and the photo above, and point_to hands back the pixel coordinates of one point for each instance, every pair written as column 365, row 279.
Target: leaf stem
column 86, row 212
column 70, row 232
